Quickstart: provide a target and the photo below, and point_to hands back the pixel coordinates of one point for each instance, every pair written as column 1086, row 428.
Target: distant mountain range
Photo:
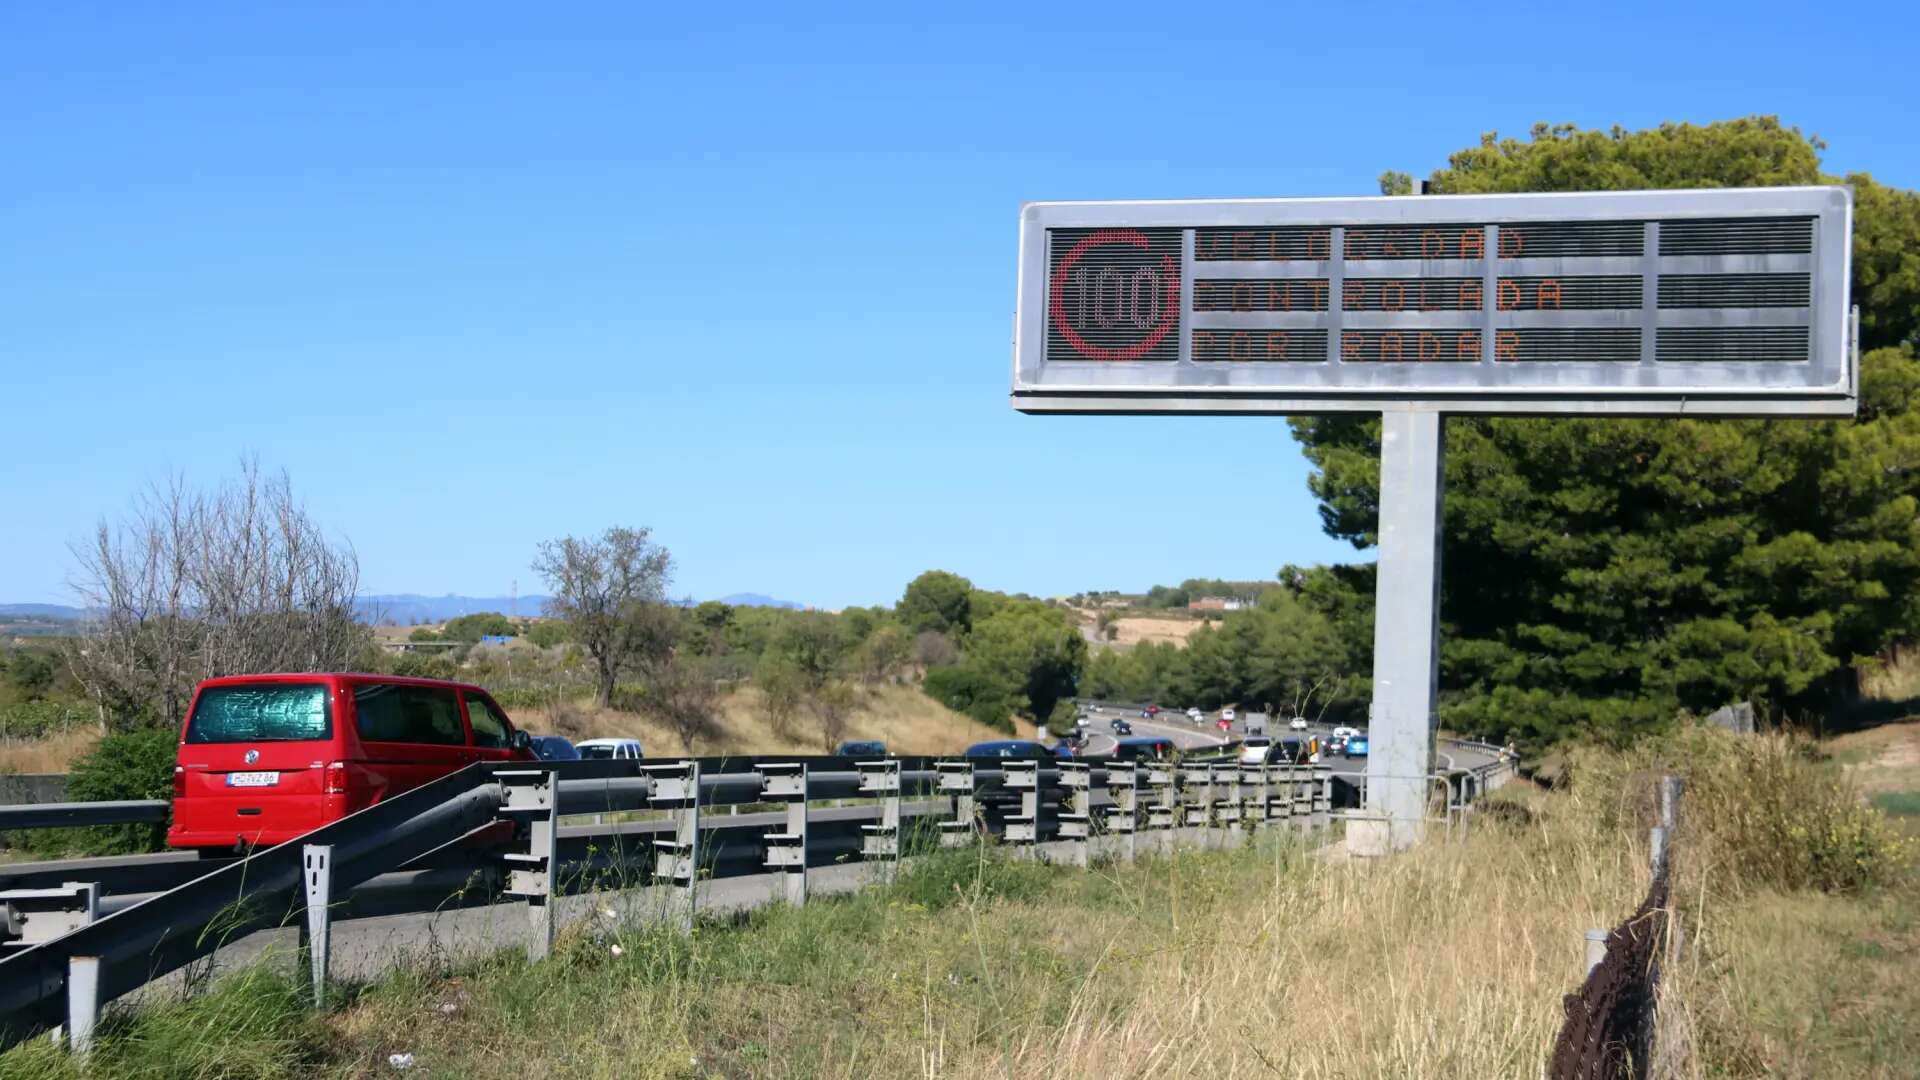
column 405, row 608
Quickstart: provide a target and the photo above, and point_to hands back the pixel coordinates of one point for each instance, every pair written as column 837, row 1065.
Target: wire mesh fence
column 1609, row 1028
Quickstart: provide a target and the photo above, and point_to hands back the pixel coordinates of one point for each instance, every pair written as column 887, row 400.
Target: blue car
column 1357, row 746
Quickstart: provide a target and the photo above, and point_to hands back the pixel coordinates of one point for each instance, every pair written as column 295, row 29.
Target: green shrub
column 37, row 719
column 136, row 764
column 1762, row 811
column 965, row 689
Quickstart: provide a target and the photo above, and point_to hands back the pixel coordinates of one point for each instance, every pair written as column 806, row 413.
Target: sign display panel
column 1725, row 302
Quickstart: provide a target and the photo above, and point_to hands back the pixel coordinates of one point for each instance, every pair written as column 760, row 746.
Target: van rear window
column 279, row 712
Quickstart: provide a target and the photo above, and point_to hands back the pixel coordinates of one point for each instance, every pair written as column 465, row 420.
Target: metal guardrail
column 59, row 815
column 87, row 931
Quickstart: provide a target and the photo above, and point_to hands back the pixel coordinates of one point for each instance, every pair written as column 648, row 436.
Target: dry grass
column 50, row 754
column 908, row 721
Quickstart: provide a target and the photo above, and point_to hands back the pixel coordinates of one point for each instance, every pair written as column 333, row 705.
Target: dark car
column 1008, row 748
column 554, row 748
column 1121, row 727
column 867, row 748
column 1144, row 748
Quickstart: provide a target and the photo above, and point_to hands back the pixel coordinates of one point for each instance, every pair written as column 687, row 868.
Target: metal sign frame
column 1826, row 384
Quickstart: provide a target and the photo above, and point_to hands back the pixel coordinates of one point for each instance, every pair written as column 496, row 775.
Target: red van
column 266, row 758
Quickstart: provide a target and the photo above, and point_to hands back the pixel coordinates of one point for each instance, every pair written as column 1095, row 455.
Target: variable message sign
column 1725, row 302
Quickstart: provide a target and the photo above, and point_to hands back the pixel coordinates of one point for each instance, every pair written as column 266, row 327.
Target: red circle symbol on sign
column 1057, row 298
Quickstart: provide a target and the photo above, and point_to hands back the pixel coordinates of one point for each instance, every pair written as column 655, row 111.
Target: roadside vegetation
column 1798, row 903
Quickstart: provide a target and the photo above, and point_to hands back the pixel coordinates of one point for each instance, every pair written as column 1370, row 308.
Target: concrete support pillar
column 1406, row 624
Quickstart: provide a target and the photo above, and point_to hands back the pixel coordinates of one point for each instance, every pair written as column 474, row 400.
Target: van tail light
column 336, row 778
column 179, row 781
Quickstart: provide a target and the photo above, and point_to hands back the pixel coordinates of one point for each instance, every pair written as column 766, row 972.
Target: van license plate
column 252, row 779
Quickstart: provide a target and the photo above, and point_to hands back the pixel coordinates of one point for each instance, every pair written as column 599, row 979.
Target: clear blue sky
column 478, row 275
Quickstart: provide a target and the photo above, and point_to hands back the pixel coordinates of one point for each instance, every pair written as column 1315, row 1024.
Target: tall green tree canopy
column 1602, row 574
column 939, row 601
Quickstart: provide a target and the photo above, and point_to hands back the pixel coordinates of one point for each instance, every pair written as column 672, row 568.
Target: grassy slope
column 908, row 721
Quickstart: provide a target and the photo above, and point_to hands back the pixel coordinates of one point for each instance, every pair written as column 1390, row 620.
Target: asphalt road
column 1190, row 736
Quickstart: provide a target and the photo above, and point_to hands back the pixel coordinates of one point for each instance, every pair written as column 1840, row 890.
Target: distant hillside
column 405, row 609
column 45, row 611
column 754, row 599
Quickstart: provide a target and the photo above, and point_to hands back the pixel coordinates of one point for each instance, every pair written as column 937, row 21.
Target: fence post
column 1596, row 949
column 676, row 787
column 318, row 863
column 83, row 1002
column 1322, row 797
column 882, row 842
column 787, row 849
column 1671, row 788
column 1163, row 813
column 957, row 780
column 534, row 796
column 1657, row 850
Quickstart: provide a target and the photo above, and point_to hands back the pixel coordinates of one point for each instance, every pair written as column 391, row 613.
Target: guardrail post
column 1163, row 813
column 1322, row 782
column 317, row 863
column 676, row 862
column 1253, row 796
column 1230, row 805
column 1300, row 794
column 955, row 778
column 1657, row 850
column 882, row 842
column 787, row 849
column 1196, row 798
column 1123, row 815
column 1023, row 828
column 83, row 1002
column 533, row 796
column 1076, row 818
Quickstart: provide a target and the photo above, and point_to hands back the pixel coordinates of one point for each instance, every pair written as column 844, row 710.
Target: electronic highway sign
column 1726, row 302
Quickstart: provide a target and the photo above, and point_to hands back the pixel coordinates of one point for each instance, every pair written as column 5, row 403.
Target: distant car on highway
column 265, row 758
column 1144, row 748
column 1343, row 731
column 1120, row 726
column 1223, row 724
column 1008, row 748
column 1228, row 715
column 1356, row 746
column 867, row 748
column 1298, row 723
column 554, row 748
column 1255, row 749
column 1150, row 712
column 611, row 750
column 1194, row 714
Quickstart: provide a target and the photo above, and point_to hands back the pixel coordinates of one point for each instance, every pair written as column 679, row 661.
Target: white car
column 1195, row 715
column 1345, row 732
column 1227, row 715
column 616, row 749
column 1254, row 750
column 1298, row 723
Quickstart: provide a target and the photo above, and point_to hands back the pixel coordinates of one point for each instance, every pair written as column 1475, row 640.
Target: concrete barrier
column 18, row 789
